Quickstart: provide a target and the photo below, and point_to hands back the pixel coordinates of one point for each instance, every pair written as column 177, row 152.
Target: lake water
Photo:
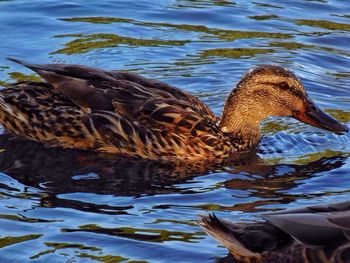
column 71, row 206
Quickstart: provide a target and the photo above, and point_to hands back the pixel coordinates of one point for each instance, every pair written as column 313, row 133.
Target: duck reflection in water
column 59, row 171
column 65, row 171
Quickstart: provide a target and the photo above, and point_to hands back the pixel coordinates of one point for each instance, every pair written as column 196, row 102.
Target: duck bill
column 312, row 115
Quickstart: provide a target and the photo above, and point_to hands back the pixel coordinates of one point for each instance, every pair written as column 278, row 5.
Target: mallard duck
column 123, row 113
column 314, row 234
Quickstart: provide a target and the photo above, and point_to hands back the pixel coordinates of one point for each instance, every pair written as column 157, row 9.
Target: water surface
column 71, row 206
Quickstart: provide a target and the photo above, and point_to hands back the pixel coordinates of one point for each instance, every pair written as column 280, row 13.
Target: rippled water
column 70, row 206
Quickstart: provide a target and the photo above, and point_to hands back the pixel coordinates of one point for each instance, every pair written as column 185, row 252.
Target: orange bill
column 312, row 115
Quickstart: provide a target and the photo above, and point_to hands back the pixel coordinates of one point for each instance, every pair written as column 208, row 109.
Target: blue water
column 70, row 206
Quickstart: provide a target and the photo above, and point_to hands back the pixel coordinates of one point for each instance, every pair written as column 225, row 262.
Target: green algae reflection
column 78, row 248
column 342, row 116
column 299, row 46
column 7, row 241
column 141, row 234
column 85, row 43
column 23, row 218
column 18, row 76
column 235, row 52
column 323, row 24
column 201, row 4
column 109, row 258
column 209, row 32
column 219, row 32
column 263, row 17
column 87, row 254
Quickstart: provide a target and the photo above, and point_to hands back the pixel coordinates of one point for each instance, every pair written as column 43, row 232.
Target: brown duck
column 123, row 113
column 315, row 234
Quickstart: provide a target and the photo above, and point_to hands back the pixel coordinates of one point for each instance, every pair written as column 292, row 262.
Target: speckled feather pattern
column 120, row 113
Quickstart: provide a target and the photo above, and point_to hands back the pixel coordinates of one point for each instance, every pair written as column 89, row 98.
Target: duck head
column 270, row 90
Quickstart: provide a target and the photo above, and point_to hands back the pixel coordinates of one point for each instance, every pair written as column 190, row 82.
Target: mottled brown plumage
column 314, row 234
column 124, row 113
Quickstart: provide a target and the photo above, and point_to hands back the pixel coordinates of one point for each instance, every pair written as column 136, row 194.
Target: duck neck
column 240, row 122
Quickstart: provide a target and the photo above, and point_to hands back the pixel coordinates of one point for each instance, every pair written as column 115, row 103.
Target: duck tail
column 225, row 233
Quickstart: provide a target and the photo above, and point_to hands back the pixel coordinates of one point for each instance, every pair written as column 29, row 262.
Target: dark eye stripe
column 284, row 86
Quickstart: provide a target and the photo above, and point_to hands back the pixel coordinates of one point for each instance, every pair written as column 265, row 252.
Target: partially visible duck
column 123, row 113
column 314, row 234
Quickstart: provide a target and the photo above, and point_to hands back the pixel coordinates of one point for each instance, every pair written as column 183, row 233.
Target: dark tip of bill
column 342, row 130
column 346, row 128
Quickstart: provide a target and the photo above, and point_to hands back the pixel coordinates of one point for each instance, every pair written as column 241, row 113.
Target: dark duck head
column 270, row 91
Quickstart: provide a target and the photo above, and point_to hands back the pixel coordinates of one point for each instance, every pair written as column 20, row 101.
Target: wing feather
column 128, row 94
column 314, row 226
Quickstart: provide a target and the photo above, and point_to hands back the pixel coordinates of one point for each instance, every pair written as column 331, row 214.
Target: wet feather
column 315, row 234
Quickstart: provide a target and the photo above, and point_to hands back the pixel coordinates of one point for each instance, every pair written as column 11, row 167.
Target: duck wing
column 315, row 226
column 165, row 90
column 76, row 82
column 152, row 103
